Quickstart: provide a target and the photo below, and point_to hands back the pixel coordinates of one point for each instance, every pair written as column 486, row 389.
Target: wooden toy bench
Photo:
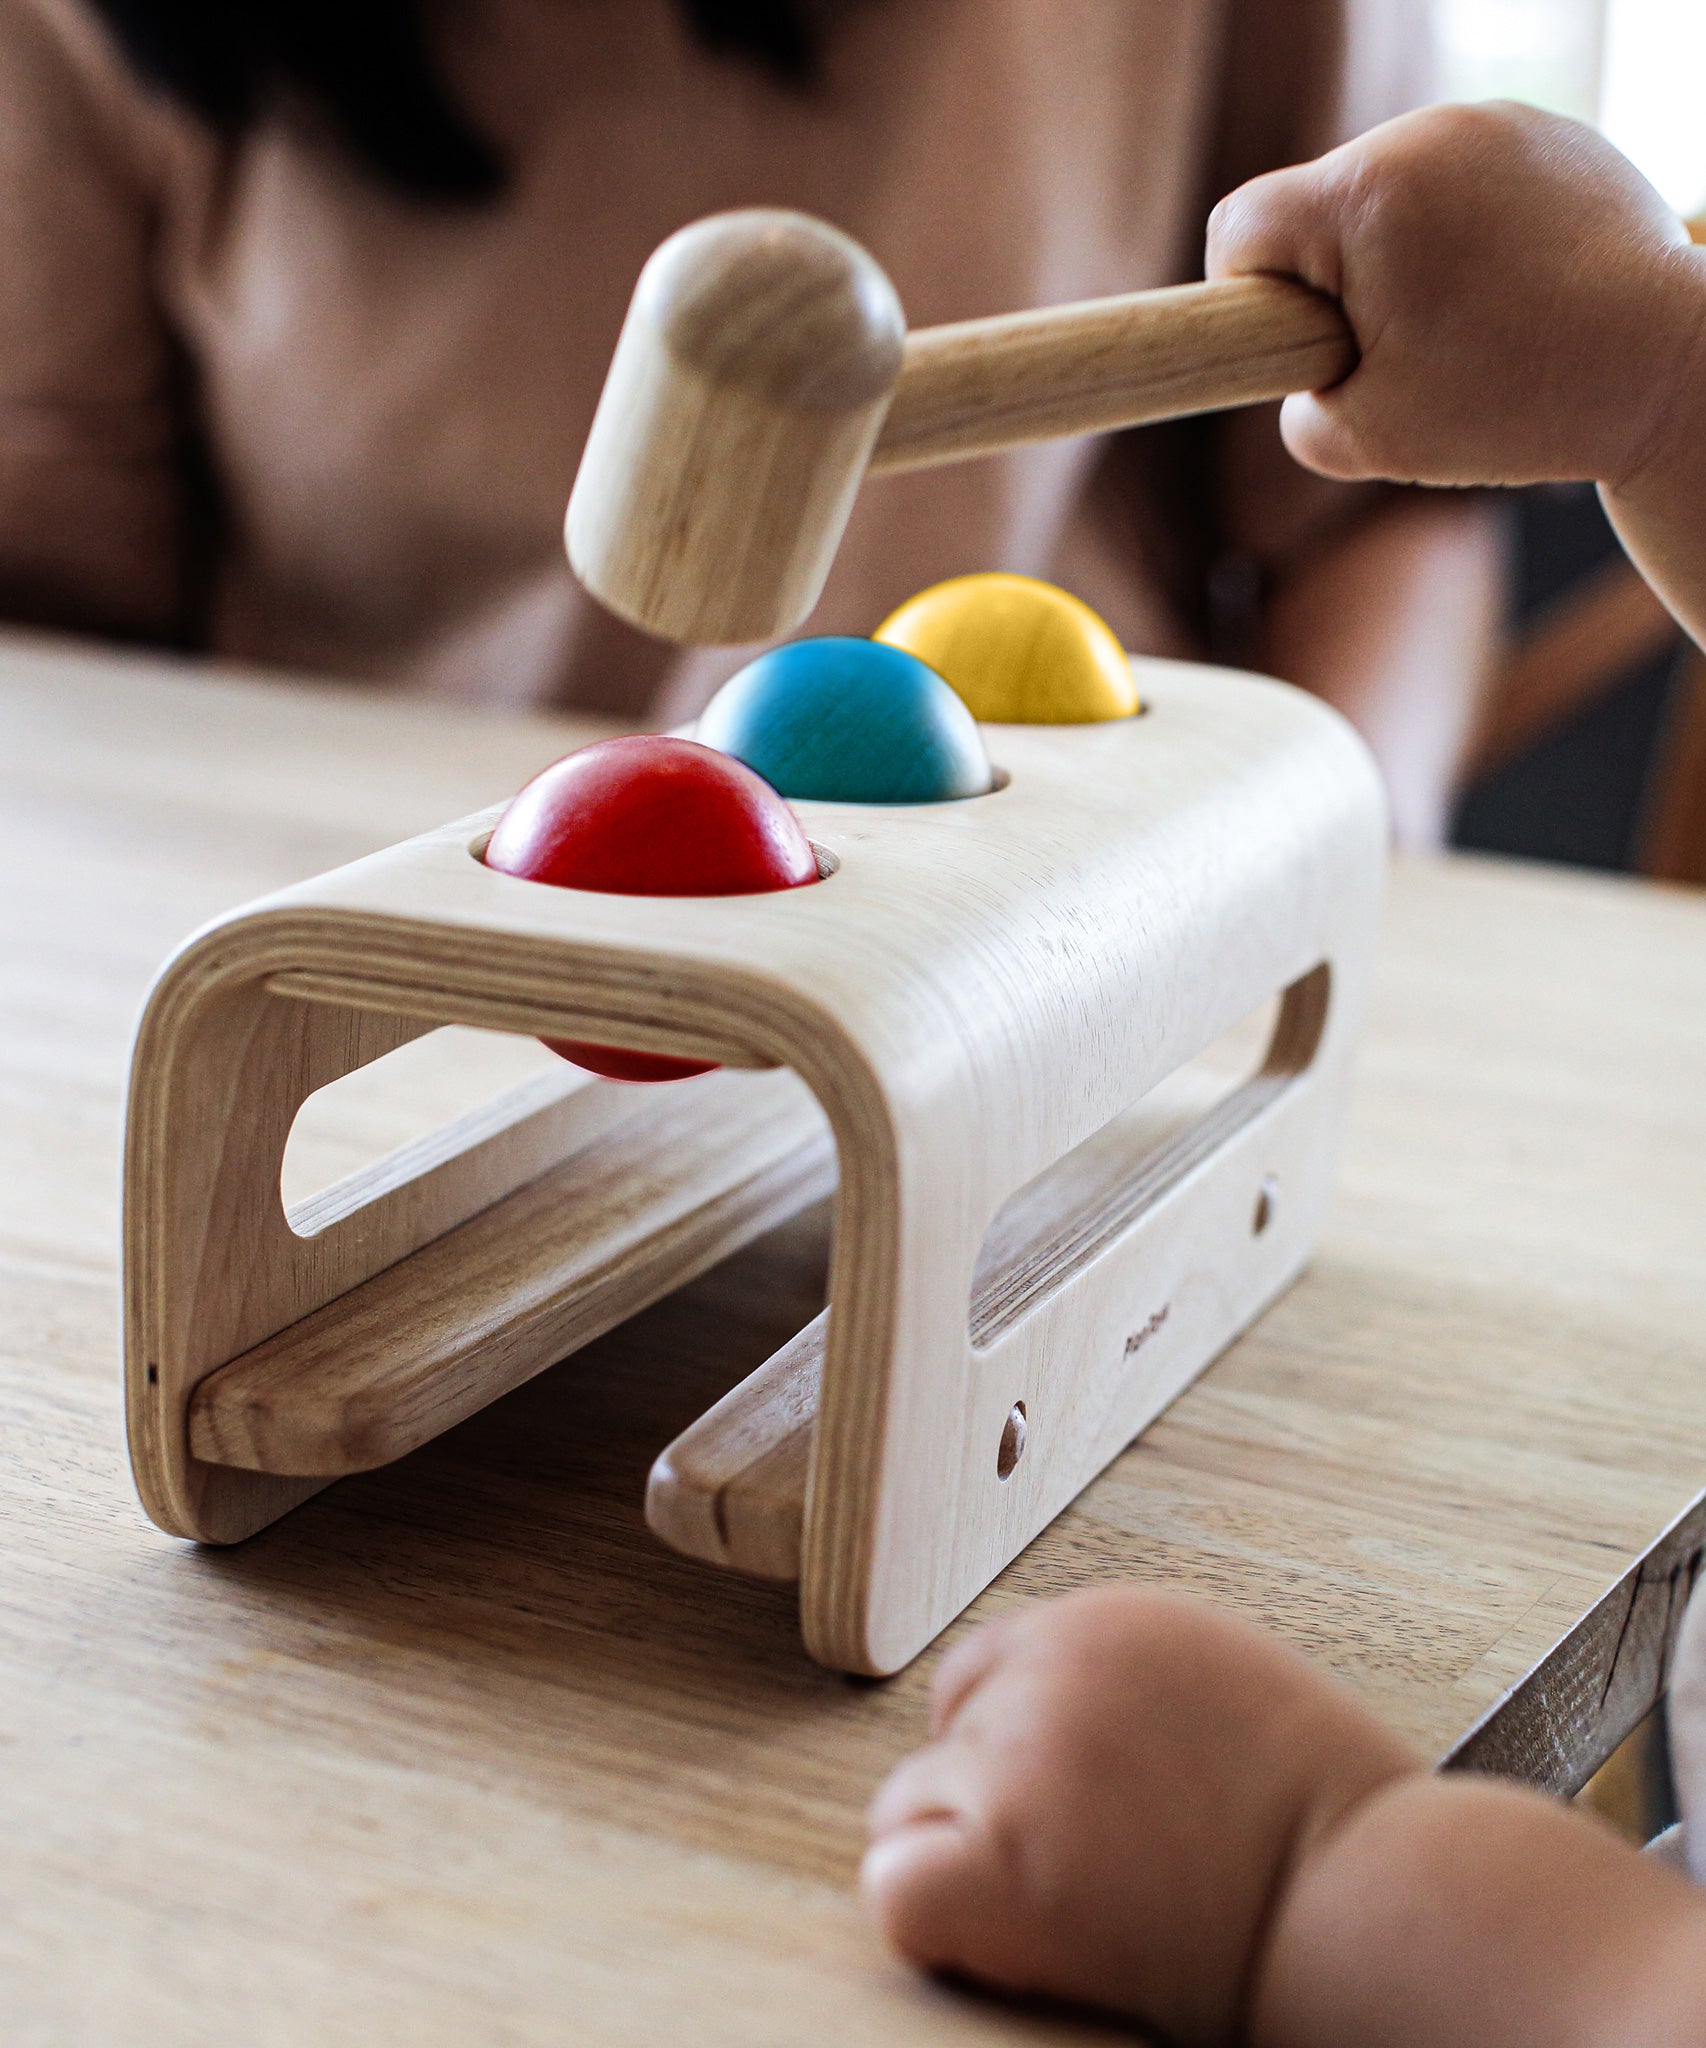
column 966, row 1028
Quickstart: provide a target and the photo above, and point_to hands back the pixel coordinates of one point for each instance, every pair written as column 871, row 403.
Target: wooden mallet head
column 764, row 367
column 752, row 375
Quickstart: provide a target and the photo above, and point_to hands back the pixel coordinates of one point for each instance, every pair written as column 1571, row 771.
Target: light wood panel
column 458, row 1752
column 733, row 1488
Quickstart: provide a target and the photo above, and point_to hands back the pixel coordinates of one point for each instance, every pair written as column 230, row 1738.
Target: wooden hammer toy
column 764, row 370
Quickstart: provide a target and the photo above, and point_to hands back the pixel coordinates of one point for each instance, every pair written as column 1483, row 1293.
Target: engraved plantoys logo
column 1138, row 1338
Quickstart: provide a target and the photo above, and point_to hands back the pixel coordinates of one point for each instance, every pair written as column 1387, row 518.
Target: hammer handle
column 980, row 385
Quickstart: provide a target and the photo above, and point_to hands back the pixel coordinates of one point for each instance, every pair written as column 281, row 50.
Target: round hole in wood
column 828, row 863
column 1013, row 1434
column 1267, row 1198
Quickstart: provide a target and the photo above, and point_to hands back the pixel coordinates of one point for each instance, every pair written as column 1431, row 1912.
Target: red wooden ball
column 648, row 816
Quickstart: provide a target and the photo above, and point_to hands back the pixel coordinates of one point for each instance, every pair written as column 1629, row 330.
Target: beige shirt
column 252, row 401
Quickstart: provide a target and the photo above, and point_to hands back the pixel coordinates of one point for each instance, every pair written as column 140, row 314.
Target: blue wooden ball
column 848, row 721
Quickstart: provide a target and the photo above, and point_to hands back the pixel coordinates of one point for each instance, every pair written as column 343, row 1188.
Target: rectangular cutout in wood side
column 387, row 1123
column 731, row 1489
column 686, row 1178
column 1064, row 1219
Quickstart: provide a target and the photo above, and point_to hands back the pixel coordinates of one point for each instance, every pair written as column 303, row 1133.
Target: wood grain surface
column 976, row 386
column 982, row 996
column 428, row 1341
column 458, row 1752
column 751, row 376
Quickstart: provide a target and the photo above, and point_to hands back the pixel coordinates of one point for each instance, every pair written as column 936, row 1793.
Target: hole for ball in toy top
column 1017, row 650
column 828, row 862
column 840, row 720
column 650, row 816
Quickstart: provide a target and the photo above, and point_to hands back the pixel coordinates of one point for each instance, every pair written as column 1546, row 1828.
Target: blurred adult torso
column 355, row 417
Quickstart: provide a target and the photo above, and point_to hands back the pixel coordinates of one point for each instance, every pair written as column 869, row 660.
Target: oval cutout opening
column 391, row 1121
column 1047, row 1232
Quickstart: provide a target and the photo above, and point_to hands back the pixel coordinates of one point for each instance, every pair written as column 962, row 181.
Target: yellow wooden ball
column 1020, row 652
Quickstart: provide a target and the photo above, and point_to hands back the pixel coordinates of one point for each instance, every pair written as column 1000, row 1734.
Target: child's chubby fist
column 1119, row 1786
column 1527, row 307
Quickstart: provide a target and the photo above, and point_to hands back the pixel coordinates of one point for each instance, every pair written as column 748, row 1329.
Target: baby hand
column 1527, row 307
column 1118, row 1785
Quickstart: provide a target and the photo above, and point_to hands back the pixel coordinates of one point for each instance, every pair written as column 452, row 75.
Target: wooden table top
column 457, row 1753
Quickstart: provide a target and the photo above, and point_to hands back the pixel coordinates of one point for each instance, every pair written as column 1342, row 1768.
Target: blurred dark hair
column 368, row 67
